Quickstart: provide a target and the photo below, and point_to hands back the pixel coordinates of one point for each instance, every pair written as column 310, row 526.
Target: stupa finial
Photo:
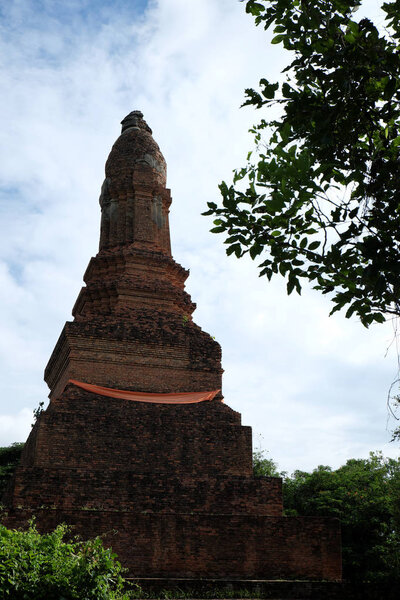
column 134, row 120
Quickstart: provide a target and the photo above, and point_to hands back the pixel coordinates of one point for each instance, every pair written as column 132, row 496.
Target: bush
column 35, row 566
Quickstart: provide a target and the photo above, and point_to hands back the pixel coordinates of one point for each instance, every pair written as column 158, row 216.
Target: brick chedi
column 125, row 445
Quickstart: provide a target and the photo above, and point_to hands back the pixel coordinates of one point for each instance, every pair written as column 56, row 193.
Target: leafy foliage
column 365, row 495
column 34, row 566
column 319, row 197
column 9, row 458
column 264, row 466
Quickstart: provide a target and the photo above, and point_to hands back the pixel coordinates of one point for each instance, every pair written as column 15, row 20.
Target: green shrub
column 38, row 567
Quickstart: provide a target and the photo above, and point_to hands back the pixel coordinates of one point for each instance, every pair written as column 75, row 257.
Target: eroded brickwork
column 209, row 545
column 174, row 483
column 85, row 431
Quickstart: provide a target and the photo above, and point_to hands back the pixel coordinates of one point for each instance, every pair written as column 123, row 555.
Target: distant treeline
column 9, row 458
column 365, row 495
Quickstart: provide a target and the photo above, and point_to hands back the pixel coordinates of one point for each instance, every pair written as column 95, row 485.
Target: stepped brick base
column 105, row 465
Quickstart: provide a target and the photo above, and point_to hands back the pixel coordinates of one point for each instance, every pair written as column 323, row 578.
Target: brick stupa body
column 174, row 480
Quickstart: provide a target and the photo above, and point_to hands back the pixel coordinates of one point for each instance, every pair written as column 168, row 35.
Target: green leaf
column 314, row 245
column 277, row 39
column 290, row 286
column 254, row 8
column 379, row 318
column 269, row 89
column 286, row 90
column 255, row 250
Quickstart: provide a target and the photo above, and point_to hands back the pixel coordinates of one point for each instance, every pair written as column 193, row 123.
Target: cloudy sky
column 313, row 388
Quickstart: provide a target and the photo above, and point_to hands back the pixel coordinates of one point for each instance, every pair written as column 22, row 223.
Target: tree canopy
column 319, row 197
column 263, row 466
column 364, row 494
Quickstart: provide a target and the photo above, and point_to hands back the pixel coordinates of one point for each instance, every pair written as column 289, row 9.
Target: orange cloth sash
column 178, row 398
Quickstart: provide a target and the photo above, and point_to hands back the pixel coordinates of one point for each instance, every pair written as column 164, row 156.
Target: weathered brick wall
column 130, row 278
column 203, row 545
column 155, row 353
column 84, row 430
column 151, row 492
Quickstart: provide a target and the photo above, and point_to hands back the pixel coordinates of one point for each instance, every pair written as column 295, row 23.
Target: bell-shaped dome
column 135, row 156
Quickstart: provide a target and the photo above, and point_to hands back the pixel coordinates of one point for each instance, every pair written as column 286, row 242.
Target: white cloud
column 15, row 427
column 314, row 387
